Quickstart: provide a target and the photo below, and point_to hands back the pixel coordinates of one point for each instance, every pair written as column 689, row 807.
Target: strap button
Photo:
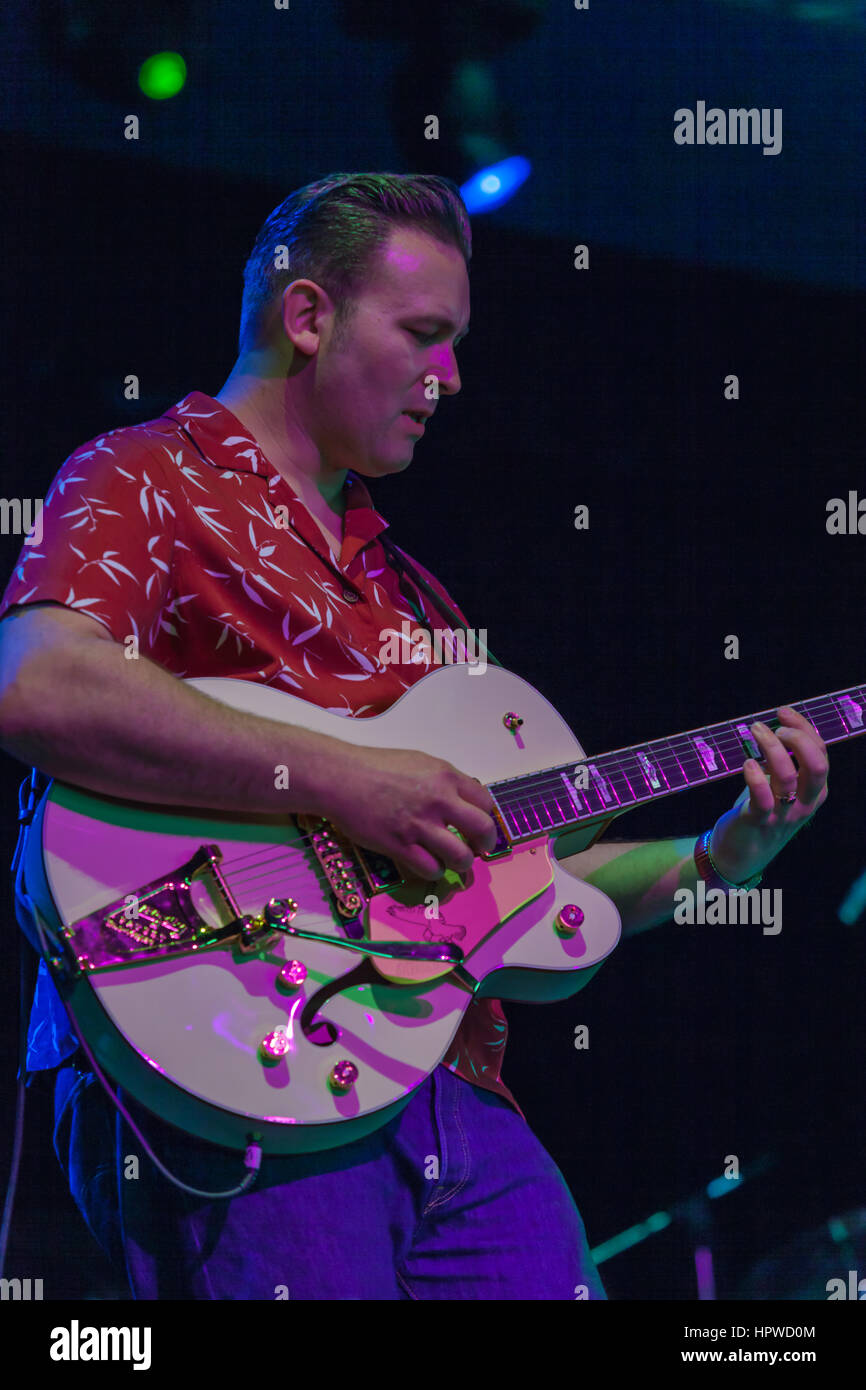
column 350, row 596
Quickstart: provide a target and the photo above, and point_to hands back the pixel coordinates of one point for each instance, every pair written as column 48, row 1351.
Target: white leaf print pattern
column 109, row 565
column 272, row 562
column 202, row 514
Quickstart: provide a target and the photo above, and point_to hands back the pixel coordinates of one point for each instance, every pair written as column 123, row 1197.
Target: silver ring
column 786, row 800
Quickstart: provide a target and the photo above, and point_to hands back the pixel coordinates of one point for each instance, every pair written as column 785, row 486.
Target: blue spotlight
column 491, row 187
column 720, row 1187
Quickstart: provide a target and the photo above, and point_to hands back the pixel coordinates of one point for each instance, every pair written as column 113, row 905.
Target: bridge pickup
column 379, row 871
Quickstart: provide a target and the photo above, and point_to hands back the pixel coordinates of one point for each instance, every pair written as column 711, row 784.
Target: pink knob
column 274, row 1045
column 292, row 975
column 569, row 919
column 343, row 1076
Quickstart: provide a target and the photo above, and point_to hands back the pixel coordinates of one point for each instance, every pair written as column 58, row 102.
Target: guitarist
column 235, row 536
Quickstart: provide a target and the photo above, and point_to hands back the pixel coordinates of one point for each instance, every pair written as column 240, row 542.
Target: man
column 164, row 539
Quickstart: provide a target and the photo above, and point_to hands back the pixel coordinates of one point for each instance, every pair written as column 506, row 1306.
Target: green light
column 633, row 1236
column 162, row 75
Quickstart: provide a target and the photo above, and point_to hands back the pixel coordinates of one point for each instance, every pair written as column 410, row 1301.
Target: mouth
column 416, row 417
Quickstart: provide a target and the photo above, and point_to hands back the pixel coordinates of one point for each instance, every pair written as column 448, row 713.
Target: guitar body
column 180, row 1024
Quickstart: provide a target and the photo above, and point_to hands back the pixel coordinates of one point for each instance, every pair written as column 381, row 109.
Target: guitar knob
column 292, row 975
column 342, row 1077
column 274, row 1045
column 279, row 911
column 568, row 920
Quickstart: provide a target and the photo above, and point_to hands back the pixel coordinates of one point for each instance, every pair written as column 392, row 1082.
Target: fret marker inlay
column 853, row 711
column 707, row 756
column 602, row 785
column 649, row 771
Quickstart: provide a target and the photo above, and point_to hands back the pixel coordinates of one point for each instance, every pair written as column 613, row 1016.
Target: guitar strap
column 405, row 569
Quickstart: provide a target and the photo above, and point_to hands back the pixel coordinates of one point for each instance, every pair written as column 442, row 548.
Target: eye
column 425, row 338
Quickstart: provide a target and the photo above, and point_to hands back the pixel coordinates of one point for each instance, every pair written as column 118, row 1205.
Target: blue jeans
column 454, row 1198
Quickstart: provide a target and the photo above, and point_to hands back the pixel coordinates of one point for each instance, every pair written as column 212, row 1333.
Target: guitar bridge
column 338, row 858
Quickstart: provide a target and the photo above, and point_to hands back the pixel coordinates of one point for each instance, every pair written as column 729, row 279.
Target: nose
column 447, row 371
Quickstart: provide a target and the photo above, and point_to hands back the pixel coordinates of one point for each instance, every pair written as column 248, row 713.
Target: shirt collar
column 224, row 443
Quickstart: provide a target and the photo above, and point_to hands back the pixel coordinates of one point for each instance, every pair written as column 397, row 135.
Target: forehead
column 415, row 273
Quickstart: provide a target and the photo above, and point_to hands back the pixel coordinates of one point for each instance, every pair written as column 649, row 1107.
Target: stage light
column 720, row 1187
column 493, row 186
column 118, row 51
column 162, row 75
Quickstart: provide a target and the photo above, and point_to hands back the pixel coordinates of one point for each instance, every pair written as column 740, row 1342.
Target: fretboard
column 564, row 796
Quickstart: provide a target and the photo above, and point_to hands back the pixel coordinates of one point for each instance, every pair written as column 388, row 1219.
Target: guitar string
column 727, row 741
column 534, row 786
column 724, row 735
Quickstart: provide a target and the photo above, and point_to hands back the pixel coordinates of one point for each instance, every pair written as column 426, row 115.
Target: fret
column 826, row 717
column 729, row 742
column 519, row 811
column 690, row 760
column 589, row 793
column 576, row 797
column 673, row 768
column 603, row 779
column 634, row 775
column 618, row 780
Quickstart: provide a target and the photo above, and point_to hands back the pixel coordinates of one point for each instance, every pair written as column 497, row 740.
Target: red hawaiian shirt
column 169, row 530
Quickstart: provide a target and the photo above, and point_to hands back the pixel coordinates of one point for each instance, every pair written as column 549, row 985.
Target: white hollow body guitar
column 261, row 975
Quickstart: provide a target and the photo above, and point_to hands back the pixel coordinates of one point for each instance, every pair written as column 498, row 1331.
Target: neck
column 259, row 395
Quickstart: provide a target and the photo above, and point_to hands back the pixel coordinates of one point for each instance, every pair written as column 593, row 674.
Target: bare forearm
column 121, row 727
column 640, row 876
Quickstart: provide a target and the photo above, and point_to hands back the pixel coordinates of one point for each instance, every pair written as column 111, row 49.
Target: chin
column 380, row 468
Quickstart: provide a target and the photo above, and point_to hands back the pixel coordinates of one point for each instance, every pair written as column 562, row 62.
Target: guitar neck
column 598, row 788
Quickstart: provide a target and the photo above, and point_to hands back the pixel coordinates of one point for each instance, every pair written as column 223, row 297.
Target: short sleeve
column 103, row 540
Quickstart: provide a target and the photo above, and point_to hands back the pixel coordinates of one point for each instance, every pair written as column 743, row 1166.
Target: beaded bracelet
column 710, row 874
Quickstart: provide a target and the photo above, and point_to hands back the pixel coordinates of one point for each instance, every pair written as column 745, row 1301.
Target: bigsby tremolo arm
column 278, row 916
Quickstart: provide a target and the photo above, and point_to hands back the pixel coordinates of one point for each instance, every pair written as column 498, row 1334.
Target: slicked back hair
column 331, row 231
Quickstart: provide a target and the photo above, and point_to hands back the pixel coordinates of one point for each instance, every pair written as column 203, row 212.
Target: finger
column 475, row 821
column 475, row 792
column 812, row 761
column 761, row 799
column 415, row 862
column 791, row 718
column 447, row 845
column 781, row 771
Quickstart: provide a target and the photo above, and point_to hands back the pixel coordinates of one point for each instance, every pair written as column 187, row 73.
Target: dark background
column 707, row 518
